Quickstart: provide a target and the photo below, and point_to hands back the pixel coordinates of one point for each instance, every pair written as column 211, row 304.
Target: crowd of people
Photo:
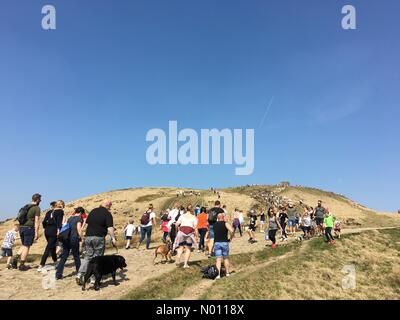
column 209, row 230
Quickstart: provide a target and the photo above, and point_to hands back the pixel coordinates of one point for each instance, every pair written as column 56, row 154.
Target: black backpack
column 22, row 216
column 212, row 216
column 49, row 219
column 211, row 272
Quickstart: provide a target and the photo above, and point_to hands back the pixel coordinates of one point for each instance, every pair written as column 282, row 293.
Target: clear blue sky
column 76, row 102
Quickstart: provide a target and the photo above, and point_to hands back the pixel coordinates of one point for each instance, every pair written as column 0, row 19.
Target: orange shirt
column 202, row 221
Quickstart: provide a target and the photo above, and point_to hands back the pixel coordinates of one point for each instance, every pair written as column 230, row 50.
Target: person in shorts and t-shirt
column 292, row 214
column 222, row 229
column 129, row 230
column 8, row 244
column 319, row 213
column 28, row 232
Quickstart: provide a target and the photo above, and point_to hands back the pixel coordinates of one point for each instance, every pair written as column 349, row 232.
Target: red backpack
column 145, row 218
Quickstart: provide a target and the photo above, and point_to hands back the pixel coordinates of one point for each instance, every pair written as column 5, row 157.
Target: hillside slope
column 130, row 203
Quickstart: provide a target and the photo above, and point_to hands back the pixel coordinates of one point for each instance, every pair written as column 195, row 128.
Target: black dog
column 102, row 265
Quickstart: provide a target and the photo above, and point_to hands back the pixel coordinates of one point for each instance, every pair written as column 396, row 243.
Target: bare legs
column 188, row 252
column 226, row 264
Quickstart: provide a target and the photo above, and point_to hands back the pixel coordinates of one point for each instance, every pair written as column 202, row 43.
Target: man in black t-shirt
column 99, row 223
column 212, row 218
column 223, row 232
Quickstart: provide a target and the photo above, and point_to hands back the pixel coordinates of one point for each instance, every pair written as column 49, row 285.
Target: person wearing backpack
column 28, row 218
column 212, row 219
column 52, row 223
column 70, row 243
column 147, row 222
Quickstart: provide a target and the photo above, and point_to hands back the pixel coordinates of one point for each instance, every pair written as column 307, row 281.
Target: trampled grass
column 183, row 201
column 317, row 273
column 148, row 197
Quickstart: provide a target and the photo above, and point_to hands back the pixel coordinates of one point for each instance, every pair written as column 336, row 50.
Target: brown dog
column 165, row 250
column 207, row 243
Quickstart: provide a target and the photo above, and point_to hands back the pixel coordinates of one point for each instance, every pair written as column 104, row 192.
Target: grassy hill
column 131, row 203
column 293, row 266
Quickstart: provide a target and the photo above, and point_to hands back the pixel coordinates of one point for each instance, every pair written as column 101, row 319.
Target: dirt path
column 17, row 285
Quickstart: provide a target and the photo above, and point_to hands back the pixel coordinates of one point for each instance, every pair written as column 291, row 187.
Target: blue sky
column 76, row 102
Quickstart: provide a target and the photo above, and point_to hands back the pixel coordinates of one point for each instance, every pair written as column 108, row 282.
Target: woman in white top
column 186, row 236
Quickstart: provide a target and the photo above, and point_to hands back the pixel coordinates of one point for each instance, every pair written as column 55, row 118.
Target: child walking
column 337, row 229
column 164, row 226
column 129, row 230
column 8, row 244
column 328, row 223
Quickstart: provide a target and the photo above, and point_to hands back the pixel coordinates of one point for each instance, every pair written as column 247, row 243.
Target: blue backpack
column 65, row 232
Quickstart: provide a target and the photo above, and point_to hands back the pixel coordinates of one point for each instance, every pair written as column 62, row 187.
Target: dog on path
column 101, row 266
column 165, row 250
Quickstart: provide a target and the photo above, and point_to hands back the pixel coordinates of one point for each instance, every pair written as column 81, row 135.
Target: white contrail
column 266, row 112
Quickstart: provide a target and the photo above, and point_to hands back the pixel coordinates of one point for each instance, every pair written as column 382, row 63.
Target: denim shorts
column 292, row 222
column 221, row 249
column 5, row 252
column 211, row 231
column 27, row 235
